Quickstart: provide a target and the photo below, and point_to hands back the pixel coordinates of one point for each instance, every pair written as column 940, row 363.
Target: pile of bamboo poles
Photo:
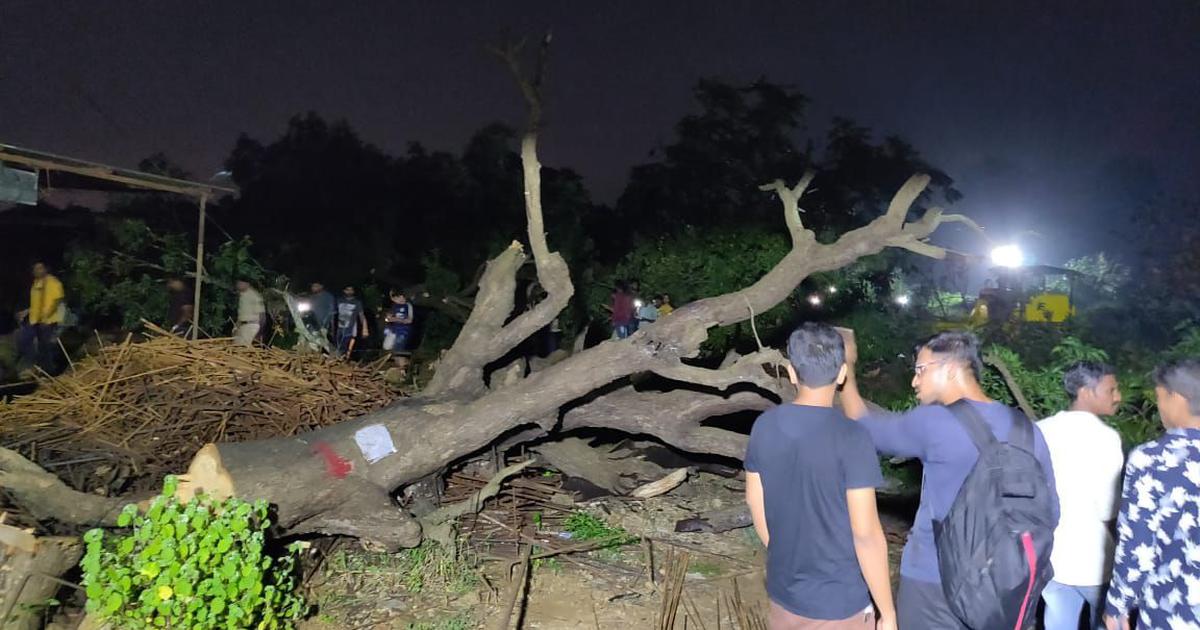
column 144, row 408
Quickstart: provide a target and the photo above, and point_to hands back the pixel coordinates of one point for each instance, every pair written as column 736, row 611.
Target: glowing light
column 832, row 290
column 303, row 306
column 814, row 299
column 638, row 303
column 903, row 300
column 1008, row 256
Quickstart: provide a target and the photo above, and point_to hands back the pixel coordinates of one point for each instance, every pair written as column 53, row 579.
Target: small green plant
column 200, row 564
column 584, row 526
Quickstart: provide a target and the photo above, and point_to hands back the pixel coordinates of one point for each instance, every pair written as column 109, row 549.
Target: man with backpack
column 811, row 476
column 1156, row 569
column 978, row 554
column 1087, row 459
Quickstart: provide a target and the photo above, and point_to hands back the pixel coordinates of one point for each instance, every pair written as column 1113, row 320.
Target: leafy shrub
column 201, row 564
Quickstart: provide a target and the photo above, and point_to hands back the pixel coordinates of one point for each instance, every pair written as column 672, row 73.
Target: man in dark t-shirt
column 811, row 476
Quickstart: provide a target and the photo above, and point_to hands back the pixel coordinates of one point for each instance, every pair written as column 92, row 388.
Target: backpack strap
column 971, row 422
column 1021, row 434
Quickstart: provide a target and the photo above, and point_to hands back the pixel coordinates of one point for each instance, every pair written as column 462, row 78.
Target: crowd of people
column 629, row 311
column 1009, row 509
column 343, row 320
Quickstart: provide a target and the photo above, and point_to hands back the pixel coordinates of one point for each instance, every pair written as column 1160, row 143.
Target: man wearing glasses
column 947, row 370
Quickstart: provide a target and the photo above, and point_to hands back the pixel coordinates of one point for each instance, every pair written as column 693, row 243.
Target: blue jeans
column 37, row 344
column 1064, row 604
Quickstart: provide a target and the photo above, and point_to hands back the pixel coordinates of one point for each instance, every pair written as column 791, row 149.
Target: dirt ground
column 610, row 588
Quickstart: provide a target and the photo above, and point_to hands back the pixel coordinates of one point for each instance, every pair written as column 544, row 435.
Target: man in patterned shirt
column 1157, row 564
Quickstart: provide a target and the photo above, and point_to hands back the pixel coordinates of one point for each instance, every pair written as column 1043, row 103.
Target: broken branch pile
column 133, row 411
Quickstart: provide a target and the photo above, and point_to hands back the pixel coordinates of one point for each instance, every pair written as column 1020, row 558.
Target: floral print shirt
column 1157, row 565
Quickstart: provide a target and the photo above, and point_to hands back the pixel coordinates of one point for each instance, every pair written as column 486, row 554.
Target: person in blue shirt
column 397, row 329
column 947, row 370
column 1156, row 569
column 811, row 476
column 323, row 306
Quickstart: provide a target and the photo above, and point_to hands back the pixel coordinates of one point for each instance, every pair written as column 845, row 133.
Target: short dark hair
column 1085, row 375
column 817, row 353
column 959, row 346
column 1182, row 377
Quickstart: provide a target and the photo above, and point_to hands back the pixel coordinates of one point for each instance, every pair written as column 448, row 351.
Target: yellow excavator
column 1036, row 294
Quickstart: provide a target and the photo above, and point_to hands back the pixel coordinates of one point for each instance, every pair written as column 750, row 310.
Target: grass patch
column 425, row 567
column 461, row 621
column 584, row 526
column 707, row 569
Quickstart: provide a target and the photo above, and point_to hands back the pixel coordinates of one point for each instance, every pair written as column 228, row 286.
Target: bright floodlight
column 303, row 306
column 903, row 300
column 814, row 299
column 1008, row 256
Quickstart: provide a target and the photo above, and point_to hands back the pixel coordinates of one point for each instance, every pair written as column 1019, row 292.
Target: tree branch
column 791, row 206
column 47, row 497
column 673, row 417
column 746, row 369
column 485, row 337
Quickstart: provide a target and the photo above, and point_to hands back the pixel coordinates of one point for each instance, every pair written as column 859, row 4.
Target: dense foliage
column 123, row 276
column 201, row 564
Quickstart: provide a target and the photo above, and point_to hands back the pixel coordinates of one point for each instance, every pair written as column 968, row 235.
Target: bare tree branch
column 673, row 417
column 485, row 337
column 791, row 206
column 746, row 369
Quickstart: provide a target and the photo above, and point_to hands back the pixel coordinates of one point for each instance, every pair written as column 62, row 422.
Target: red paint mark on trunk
column 334, row 464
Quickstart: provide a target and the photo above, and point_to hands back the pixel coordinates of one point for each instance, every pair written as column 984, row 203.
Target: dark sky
column 1050, row 115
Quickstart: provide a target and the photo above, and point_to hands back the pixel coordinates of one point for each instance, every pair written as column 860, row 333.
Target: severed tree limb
column 995, row 361
column 46, row 497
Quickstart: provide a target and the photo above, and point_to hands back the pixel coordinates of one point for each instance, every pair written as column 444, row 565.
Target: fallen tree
column 340, row 479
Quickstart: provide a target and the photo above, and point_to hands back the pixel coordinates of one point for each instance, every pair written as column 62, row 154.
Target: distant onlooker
column 350, row 317
column 1156, row 570
column 664, row 306
column 179, row 308
column 623, row 315
column 323, row 305
column 250, row 314
column 397, row 330
column 41, row 321
column 647, row 313
column 1087, row 459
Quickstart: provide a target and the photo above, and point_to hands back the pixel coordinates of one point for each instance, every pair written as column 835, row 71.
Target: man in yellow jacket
column 40, row 323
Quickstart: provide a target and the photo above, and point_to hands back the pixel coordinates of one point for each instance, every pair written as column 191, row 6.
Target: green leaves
column 203, row 564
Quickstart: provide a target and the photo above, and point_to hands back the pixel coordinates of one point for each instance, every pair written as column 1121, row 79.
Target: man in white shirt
column 1088, row 460
column 249, row 314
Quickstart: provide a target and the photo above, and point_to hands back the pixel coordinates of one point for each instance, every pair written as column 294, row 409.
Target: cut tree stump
column 25, row 561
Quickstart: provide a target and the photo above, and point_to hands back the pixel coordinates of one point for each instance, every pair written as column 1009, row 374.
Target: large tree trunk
column 321, row 481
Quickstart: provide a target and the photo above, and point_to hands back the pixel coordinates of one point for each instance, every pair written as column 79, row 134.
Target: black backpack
column 994, row 544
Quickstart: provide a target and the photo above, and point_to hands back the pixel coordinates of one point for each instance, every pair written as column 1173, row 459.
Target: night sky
column 1052, row 117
